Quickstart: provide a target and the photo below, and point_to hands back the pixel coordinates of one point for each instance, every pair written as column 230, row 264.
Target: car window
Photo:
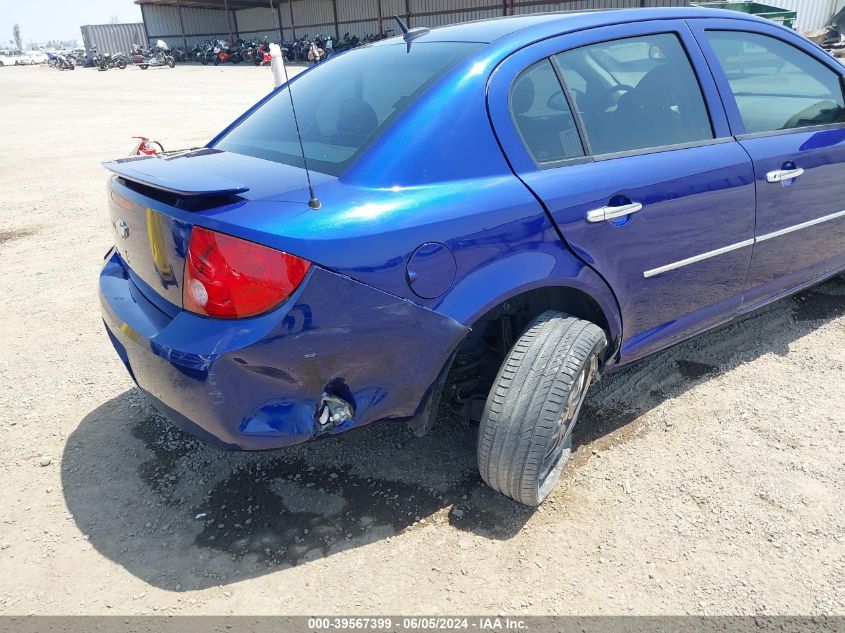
column 343, row 104
column 777, row 86
column 543, row 116
column 636, row 93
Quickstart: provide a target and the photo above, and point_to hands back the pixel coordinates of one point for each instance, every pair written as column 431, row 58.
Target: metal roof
column 232, row 5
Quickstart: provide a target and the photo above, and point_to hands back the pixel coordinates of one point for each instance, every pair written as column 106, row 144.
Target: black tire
column 204, row 60
column 143, row 66
column 103, row 67
column 121, row 63
column 525, row 437
column 170, row 62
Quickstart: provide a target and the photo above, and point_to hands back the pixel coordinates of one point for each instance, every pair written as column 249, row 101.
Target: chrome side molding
column 732, row 247
column 697, row 258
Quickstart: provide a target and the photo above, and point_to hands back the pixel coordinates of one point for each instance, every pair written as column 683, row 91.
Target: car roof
column 536, row 26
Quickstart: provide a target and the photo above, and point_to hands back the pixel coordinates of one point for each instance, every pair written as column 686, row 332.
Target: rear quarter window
column 343, row 104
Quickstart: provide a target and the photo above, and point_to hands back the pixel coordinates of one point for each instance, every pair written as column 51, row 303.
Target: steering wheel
column 606, row 94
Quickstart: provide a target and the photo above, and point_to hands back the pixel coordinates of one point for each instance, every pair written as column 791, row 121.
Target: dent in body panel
column 255, row 383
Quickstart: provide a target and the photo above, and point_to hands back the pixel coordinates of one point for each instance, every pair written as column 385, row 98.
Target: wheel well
column 477, row 360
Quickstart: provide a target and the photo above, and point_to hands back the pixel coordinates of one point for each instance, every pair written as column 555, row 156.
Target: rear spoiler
column 175, row 176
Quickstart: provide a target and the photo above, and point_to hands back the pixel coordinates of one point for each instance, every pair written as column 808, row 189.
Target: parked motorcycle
column 196, row 51
column 207, row 56
column 179, row 54
column 104, row 61
column 225, row 52
column 315, row 53
column 159, row 55
column 78, row 57
column 60, row 62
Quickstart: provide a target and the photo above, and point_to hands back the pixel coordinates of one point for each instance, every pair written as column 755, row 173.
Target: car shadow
column 182, row 515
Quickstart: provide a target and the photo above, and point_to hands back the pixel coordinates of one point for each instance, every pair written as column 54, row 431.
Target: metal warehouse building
column 183, row 22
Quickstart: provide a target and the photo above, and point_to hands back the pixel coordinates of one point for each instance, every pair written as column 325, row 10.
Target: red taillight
column 227, row 277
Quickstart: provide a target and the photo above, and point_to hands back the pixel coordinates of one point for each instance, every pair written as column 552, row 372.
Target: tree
column 16, row 32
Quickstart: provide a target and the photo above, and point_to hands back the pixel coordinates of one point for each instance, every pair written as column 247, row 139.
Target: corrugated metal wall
column 258, row 23
column 112, row 38
column 200, row 24
column 812, row 14
column 361, row 17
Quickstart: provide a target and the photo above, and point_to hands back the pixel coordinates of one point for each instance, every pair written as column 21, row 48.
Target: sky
column 43, row 20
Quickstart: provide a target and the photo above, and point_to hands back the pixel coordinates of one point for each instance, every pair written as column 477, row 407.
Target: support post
column 408, row 12
column 336, row 26
column 228, row 22
column 380, row 19
column 146, row 32
column 278, row 16
column 181, row 26
column 292, row 22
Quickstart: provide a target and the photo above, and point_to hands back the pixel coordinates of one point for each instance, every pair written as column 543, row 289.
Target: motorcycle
column 259, row 53
column 104, row 61
column 156, row 56
column 224, row 52
column 207, row 55
column 196, row 52
column 60, row 62
column 180, row 54
column 315, row 53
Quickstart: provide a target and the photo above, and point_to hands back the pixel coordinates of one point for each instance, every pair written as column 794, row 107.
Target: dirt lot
column 707, row 479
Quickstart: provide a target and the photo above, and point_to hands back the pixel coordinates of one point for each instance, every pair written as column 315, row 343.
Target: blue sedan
column 493, row 213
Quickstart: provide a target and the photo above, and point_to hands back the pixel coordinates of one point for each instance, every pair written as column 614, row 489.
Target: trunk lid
column 153, row 201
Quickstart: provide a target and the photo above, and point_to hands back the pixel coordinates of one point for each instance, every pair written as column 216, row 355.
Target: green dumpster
column 782, row 16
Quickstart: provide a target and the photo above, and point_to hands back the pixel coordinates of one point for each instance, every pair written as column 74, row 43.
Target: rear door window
column 775, row 85
column 543, row 116
column 636, row 93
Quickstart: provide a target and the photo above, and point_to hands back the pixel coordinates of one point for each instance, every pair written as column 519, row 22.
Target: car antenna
column 314, row 202
column 408, row 34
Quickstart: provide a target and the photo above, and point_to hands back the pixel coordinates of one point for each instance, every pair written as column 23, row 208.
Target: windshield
column 343, row 104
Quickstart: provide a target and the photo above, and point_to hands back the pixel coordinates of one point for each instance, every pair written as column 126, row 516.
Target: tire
column 143, row 66
column 121, row 63
column 525, row 436
column 170, row 62
column 216, row 61
column 103, row 67
column 204, row 60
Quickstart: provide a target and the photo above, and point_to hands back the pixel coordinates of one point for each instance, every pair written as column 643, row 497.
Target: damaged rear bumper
column 338, row 354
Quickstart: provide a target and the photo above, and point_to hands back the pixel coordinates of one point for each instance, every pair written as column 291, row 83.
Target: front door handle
column 609, row 213
column 780, row 175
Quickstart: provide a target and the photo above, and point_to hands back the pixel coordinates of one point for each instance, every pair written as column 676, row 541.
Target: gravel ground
column 707, row 479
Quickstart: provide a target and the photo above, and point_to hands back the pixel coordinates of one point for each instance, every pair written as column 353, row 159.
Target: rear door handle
column 779, row 175
column 609, row 213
